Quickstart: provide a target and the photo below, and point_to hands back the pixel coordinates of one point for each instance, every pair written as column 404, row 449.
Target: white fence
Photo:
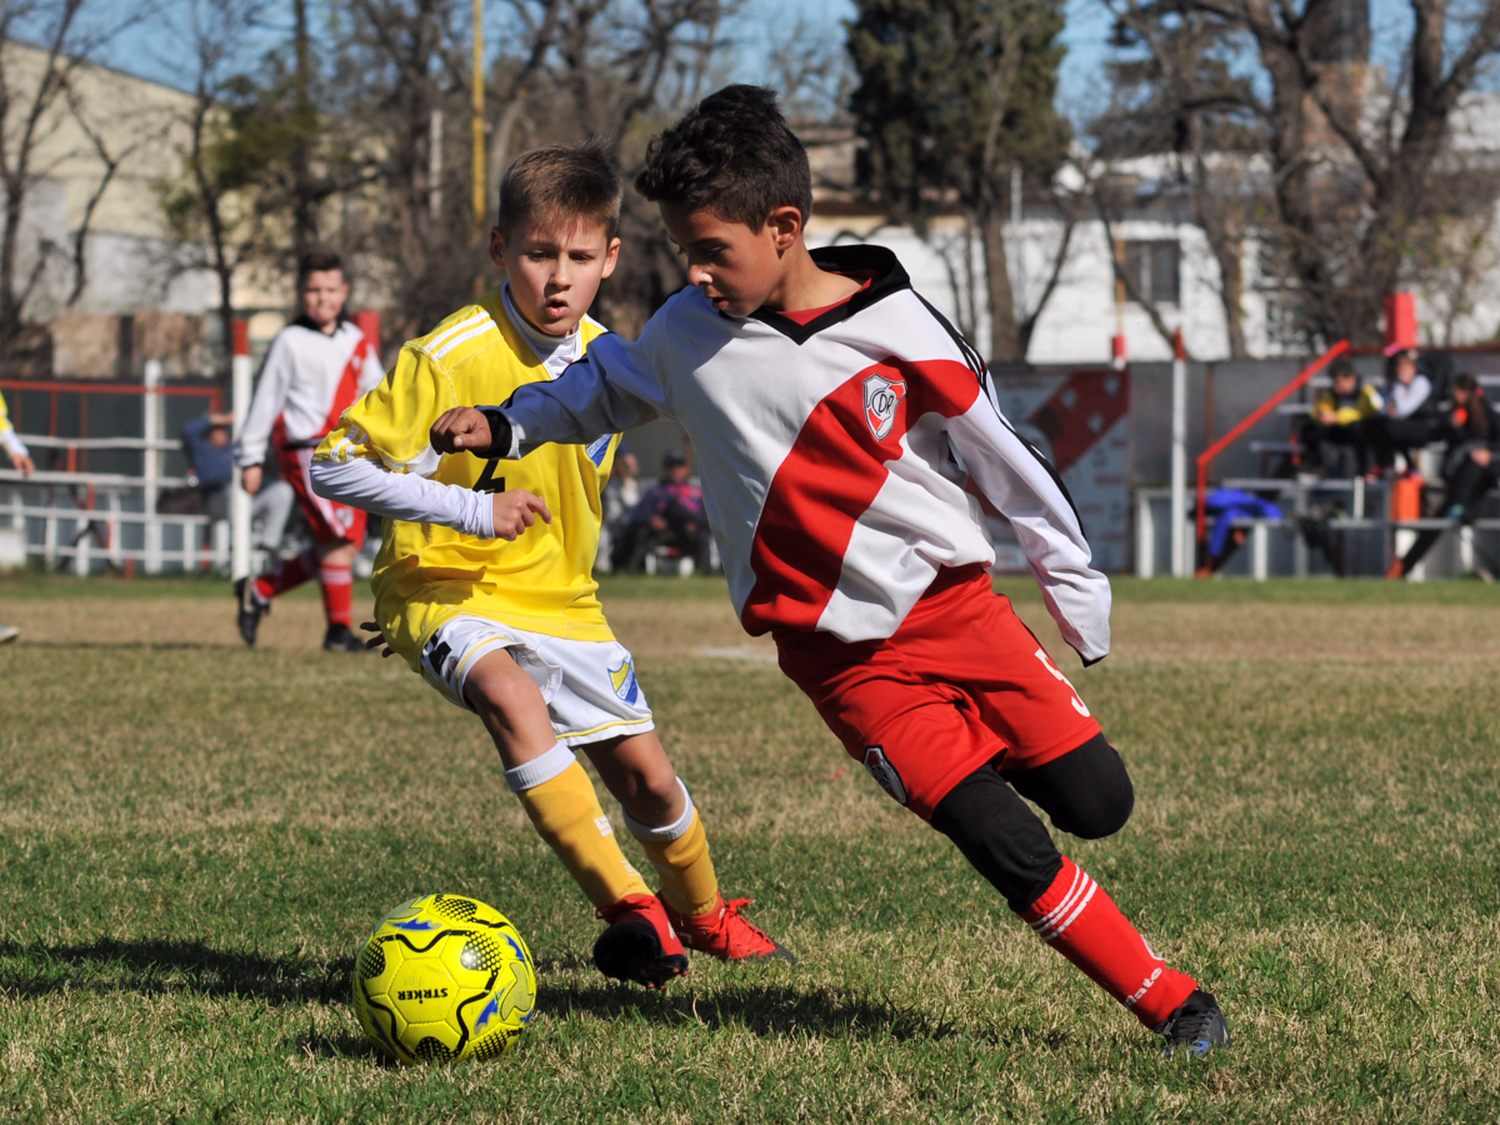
column 90, row 522
column 96, row 521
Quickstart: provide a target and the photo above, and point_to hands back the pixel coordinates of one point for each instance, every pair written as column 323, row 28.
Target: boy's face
column 737, row 268
column 323, row 295
column 554, row 268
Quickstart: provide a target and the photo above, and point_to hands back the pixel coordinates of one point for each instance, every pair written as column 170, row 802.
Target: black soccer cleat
column 640, row 944
column 340, row 638
column 1197, row 1026
column 251, row 609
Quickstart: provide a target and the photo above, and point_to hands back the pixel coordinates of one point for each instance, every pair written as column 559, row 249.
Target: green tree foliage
column 953, row 95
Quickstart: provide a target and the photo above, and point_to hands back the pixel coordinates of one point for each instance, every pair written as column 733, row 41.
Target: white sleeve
column 270, row 397
column 13, row 444
column 371, row 369
column 362, row 483
column 609, row 390
column 1018, row 482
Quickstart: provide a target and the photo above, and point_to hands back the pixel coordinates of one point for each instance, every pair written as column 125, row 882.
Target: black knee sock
column 1086, row 792
column 1000, row 836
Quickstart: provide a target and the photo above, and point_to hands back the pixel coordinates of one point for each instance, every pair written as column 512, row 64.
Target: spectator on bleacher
column 1410, row 418
column 20, row 457
column 669, row 515
column 210, row 458
column 621, row 494
column 1471, row 465
column 1337, row 433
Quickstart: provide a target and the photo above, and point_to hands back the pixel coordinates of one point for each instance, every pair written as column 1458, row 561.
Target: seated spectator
column 669, row 515
column 1225, row 505
column 1471, row 465
column 209, row 452
column 621, row 494
column 1410, row 418
column 210, row 456
column 1336, row 435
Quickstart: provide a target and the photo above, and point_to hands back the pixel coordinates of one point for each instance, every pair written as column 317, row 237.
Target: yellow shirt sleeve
column 393, row 421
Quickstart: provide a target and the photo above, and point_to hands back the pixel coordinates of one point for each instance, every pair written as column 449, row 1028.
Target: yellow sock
column 688, row 882
column 567, row 815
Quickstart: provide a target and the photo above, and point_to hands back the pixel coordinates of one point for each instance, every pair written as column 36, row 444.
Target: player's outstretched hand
column 517, row 510
column 378, row 640
column 460, row 429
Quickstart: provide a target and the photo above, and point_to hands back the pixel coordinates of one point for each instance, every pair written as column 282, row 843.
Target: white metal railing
column 110, row 519
column 1155, row 504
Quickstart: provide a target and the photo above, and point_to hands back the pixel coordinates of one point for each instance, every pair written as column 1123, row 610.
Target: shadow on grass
column 150, row 967
column 142, row 646
column 154, row 967
column 779, row 1010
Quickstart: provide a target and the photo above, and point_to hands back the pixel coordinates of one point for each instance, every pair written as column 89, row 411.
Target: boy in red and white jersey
column 318, row 366
column 849, row 446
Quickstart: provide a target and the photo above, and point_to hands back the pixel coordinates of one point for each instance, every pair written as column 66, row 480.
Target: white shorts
column 589, row 686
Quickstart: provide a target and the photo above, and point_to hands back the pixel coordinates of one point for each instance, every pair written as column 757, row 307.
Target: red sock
column 288, row 575
column 338, row 594
column 1080, row 921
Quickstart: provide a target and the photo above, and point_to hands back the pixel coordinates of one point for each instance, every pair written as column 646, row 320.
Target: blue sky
column 1081, row 91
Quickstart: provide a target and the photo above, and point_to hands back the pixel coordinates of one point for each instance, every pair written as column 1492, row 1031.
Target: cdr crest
column 882, row 396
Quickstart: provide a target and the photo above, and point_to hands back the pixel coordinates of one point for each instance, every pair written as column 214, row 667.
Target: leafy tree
column 953, row 95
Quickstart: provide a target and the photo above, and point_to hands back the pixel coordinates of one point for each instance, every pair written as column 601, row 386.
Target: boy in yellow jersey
column 484, row 585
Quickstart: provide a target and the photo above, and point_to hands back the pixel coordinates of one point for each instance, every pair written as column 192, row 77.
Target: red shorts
column 331, row 523
column 962, row 682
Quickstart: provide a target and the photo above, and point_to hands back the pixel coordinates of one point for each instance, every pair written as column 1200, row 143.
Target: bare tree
column 1363, row 177
column 34, row 84
column 209, row 207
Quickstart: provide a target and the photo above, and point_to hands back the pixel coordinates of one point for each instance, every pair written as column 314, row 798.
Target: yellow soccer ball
column 442, row 978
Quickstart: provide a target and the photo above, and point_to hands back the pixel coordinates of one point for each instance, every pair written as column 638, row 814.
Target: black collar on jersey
column 888, row 277
column 305, row 321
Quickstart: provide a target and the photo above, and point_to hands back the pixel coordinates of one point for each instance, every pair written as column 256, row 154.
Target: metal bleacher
column 1346, row 517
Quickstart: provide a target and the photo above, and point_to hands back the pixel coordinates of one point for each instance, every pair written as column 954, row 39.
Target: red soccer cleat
column 639, row 944
column 724, row 933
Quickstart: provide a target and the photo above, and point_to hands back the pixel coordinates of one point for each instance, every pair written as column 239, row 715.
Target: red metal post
column 1207, row 456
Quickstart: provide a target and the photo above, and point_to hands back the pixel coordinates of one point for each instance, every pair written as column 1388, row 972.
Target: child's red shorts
column 962, row 682
column 331, row 523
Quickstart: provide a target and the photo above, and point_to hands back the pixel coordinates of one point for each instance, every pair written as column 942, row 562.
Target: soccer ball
column 444, row 977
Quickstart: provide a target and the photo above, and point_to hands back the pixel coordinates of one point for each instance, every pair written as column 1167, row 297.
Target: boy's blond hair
column 561, row 182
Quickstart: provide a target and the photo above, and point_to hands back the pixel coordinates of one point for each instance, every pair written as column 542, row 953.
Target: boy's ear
column 611, row 258
column 785, row 225
column 497, row 247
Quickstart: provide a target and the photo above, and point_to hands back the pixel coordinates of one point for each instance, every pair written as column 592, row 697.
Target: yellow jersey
column 427, row 574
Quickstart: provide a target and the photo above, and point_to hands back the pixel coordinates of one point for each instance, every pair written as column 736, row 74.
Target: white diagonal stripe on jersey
column 469, row 335
column 447, row 333
column 1057, row 932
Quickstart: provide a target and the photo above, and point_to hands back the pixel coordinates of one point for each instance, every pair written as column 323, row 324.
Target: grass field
column 194, row 837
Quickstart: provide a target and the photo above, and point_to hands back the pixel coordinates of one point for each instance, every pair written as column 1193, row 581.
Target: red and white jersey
column 309, row 379
column 844, row 462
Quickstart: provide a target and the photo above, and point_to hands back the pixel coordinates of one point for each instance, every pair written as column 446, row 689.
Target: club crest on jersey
column 884, row 773
column 622, row 679
column 882, row 396
column 596, row 451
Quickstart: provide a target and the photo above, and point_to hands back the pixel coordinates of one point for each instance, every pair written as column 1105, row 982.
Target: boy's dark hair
column 1341, row 368
column 733, row 155
column 1466, row 382
column 316, row 261
column 561, row 181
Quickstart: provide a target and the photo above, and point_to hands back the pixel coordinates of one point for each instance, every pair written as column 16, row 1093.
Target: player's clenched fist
column 517, row 510
column 460, row 429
